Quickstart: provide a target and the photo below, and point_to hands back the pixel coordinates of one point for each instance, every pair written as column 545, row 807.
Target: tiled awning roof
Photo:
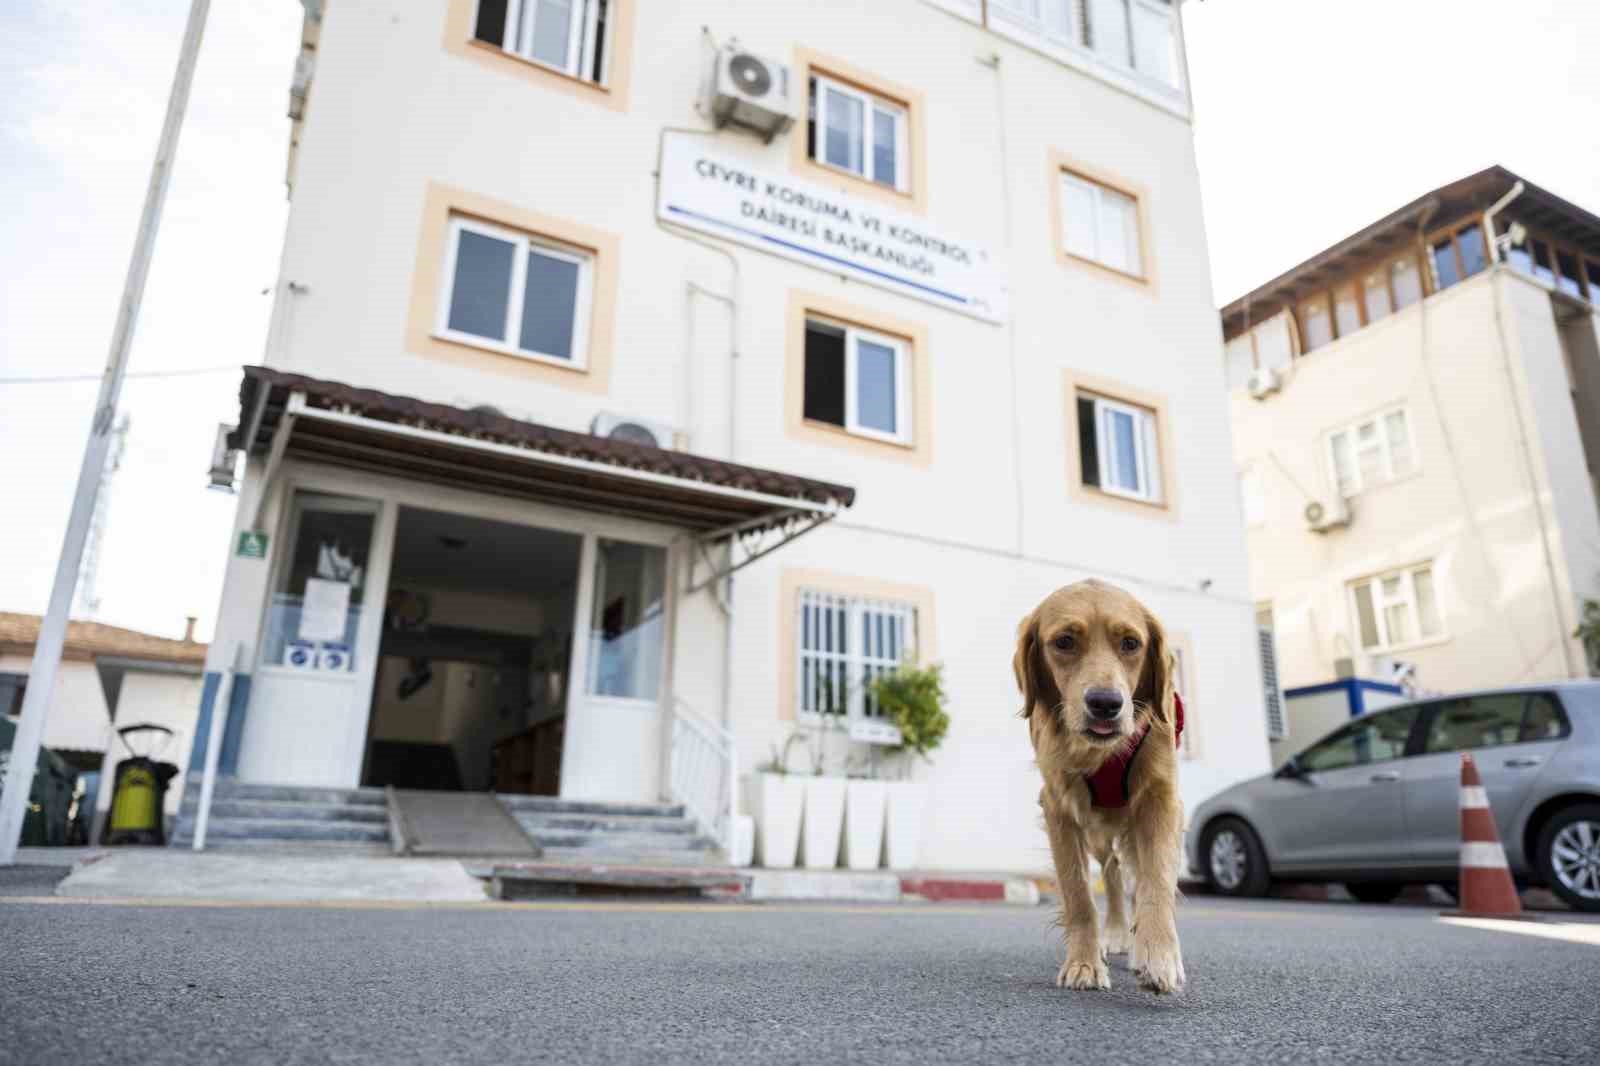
column 93, row 640
column 370, row 430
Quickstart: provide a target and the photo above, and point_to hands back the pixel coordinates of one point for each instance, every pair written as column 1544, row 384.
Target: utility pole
column 53, row 630
column 89, row 578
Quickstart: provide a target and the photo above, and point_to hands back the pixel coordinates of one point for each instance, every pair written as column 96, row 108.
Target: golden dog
column 1096, row 678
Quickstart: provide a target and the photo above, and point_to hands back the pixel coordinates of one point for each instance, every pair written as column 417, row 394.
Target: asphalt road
column 575, row 983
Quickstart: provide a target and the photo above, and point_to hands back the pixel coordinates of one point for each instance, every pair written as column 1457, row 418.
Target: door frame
column 391, row 493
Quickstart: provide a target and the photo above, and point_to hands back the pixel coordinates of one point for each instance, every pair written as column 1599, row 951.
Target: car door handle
column 1386, row 776
column 1522, row 762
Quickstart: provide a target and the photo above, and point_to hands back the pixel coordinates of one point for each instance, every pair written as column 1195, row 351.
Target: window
column 1316, row 327
column 565, row 35
column 515, row 293
column 1474, row 256
column 1100, row 224
column 1119, row 449
column 1133, row 33
column 1592, row 269
column 1492, row 720
column 1567, row 277
column 1371, row 452
column 1347, row 309
column 857, row 380
column 858, row 132
column 323, row 566
column 1189, row 742
column 1541, row 262
column 1398, row 609
column 1444, row 263
column 1405, row 280
column 1378, row 737
column 844, row 643
column 626, row 627
column 12, row 688
column 1376, row 286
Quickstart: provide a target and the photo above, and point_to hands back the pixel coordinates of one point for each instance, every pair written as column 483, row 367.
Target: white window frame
column 860, row 714
column 1384, row 447
column 853, row 336
column 1407, row 599
column 525, row 245
column 1098, row 190
column 583, row 37
column 871, row 103
column 1147, row 463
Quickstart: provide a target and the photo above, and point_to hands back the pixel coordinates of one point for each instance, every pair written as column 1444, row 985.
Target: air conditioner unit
column 1321, row 517
column 1264, row 381
column 751, row 92
column 633, row 430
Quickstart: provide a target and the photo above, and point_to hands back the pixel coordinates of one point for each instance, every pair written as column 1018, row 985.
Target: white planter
column 824, row 820
column 775, row 804
column 864, row 803
column 907, row 814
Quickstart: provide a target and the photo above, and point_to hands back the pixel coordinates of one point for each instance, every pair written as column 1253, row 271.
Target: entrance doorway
column 474, row 657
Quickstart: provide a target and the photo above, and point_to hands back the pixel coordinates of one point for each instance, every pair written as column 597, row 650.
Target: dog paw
column 1081, row 976
column 1160, row 970
column 1115, row 941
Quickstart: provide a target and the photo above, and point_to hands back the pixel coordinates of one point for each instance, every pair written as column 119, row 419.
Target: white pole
column 53, row 631
column 220, row 703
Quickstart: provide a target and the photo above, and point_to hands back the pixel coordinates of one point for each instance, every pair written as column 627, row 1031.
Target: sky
column 1313, row 118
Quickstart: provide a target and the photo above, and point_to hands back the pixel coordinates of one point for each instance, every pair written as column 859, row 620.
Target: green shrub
column 913, row 698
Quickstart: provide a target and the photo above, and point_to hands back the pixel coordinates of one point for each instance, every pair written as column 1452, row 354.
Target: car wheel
column 1569, row 856
column 1374, row 891
column 1236, row 864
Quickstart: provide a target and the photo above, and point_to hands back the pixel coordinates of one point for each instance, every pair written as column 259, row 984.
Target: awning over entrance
column 328, row 421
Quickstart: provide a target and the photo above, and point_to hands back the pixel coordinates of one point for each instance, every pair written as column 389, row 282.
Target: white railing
column 705, row 776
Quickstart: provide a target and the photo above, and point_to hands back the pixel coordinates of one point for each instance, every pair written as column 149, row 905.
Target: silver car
column 1375, row 803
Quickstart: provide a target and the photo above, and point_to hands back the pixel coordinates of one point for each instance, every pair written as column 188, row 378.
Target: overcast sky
column 1314, row 118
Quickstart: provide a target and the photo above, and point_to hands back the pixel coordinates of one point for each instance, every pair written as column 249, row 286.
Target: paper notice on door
column 322, row 615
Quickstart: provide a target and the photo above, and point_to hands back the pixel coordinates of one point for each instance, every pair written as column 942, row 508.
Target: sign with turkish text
column 725, row 197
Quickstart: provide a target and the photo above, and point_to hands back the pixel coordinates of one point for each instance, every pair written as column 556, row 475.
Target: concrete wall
column 991, row 522
column 78, row 717
column 1469, row 507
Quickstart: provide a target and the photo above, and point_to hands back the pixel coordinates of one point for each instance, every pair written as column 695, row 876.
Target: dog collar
column 1108, row 786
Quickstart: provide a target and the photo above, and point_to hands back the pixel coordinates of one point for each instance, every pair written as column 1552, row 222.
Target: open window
column 565, row 35
column 1119, row 448
column 857, row 380
column 859, row 132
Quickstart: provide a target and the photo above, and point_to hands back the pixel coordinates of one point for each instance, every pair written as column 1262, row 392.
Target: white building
column 961, row 302
column 1430, row 389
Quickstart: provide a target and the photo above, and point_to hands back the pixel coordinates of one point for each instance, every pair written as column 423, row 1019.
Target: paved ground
column 91, row 982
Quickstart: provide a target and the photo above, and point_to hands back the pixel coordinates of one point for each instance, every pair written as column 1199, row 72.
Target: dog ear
column 1155, row 684
column 1033, row 677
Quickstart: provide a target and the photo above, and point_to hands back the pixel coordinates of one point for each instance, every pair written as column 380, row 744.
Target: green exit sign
column 252, row 545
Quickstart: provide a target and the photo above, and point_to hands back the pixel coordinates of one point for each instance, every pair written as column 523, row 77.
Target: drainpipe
column 1522, row 437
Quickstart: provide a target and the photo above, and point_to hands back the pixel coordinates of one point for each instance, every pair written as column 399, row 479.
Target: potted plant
column 776, row 799
column 913, row 698
column 865, row 804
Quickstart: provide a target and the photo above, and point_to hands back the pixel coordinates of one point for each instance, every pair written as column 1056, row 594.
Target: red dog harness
column 1108, row 786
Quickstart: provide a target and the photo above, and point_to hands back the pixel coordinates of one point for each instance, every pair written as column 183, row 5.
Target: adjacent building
column 645, row 378
column 1416, row 416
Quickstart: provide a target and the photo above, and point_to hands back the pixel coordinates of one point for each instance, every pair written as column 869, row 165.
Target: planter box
column 864, row 808
column 775, row 803
column 907, row 815
column 823, row 822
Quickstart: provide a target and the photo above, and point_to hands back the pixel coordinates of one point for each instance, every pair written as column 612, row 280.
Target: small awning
column 285, row 414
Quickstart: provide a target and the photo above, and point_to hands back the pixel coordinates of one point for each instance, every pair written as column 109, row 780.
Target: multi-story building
column 1416, row 417
column 645, row 377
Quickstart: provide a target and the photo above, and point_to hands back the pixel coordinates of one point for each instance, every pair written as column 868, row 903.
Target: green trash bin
column 48, row 817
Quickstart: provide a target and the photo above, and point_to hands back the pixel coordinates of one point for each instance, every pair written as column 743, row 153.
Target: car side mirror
column 1292, row 769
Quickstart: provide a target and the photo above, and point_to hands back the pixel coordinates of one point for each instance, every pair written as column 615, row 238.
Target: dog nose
column 1103, row 702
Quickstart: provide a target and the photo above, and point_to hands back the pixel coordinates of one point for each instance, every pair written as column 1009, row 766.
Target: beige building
column 1416, row 416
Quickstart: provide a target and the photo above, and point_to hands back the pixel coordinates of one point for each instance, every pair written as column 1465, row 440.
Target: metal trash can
column 49, row 798
column 139, row 792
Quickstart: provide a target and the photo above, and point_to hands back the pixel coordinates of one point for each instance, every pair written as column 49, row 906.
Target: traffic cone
column 1486, row 889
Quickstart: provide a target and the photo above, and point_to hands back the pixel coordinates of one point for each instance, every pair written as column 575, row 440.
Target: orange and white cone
column 1486, row 890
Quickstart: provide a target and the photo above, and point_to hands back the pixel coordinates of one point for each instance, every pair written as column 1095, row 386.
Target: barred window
column 845, row 642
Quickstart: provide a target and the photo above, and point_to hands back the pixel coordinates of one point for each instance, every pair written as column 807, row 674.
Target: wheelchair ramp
column 456, row 823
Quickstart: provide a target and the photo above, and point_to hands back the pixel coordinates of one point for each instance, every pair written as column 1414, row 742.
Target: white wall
column 77, row 718
column 989, row 525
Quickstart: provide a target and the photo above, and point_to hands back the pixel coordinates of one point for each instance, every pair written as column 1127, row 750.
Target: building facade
column 940, row 313
column 1416, row 420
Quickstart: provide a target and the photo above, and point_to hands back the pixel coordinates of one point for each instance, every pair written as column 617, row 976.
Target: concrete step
column 230, row 789
column 614, row 841
column 285, row 829
column 519, row 805
column 277, row 809
column 601, row 823
column 614, row 857
column 531, row 880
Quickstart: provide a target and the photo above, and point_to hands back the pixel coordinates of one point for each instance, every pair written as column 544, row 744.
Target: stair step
column 614, row 842
column 610, row 859
column 229, row 789
column 286, row 829
column 538, row 821
column 278, row 809
column 520, row 805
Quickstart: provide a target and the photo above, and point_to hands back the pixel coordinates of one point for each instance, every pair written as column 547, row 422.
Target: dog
column 1095, row 671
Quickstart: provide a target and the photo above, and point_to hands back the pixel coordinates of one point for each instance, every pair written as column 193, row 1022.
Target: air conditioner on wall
column 1264, row 381
column 1322, row 517
column 751, row 92
column 633, row 430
